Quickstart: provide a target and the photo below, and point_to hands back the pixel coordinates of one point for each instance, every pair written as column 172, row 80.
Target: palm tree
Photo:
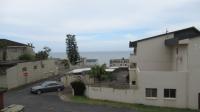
column 97, row 72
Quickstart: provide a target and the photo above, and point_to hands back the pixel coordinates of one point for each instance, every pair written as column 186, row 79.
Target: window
column 170, row 93
column 151, row 92
column 42, row 65
column 35, row 67
column 133, row 82
column 133, row 65
column 24, row 69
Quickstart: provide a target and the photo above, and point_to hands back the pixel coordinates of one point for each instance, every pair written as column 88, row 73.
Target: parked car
column 47, row 86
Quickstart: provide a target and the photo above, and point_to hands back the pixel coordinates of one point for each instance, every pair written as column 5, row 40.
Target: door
column 199, row 100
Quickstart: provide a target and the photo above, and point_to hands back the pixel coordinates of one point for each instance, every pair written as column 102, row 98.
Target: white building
column 119, row 62
column 165, row 69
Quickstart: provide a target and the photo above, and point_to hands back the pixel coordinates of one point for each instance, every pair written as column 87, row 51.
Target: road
column 51, row 102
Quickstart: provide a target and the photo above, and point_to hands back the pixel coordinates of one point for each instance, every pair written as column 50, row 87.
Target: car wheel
column 39, row 92
column 58, row 89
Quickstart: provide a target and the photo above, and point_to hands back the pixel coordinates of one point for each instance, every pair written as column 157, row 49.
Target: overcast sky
column 99, row 25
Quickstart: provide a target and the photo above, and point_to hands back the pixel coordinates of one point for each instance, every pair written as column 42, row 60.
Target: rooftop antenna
column 167, row 32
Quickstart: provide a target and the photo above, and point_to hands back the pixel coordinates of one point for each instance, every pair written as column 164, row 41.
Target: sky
column 99, row 25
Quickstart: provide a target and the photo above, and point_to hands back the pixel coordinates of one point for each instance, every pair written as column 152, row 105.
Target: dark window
column 170, row 93
column 133, row 65
column 52, row 84
column 35, row 67
column 42, row 65
column 133, row 82
column 24, row 69
column 151, row 92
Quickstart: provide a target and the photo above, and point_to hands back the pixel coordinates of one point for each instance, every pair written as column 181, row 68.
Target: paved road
column 50, row 102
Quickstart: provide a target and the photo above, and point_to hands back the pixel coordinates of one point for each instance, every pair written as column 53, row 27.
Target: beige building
column 15, row 74
column 10, row 50
column 165, row 69
column 119, row 62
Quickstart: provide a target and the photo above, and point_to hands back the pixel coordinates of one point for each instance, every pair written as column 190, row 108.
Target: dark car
column 47, row 86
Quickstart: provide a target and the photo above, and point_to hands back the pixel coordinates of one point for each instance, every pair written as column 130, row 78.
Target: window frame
column 153, row 92
column 169, row 93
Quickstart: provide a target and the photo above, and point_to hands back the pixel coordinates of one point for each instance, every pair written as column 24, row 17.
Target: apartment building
column 165, row 69
column 11, row 50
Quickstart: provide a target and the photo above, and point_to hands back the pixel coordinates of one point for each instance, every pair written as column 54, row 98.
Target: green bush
column 78, row 87
column 26, row 57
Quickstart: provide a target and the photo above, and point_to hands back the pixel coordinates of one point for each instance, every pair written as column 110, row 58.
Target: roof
column 111, row 69
column 180, row 34
column 11, row 43
column 80, row 70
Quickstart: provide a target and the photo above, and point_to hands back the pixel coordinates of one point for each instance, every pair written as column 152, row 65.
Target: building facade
column 165, row 69
column 119, row 62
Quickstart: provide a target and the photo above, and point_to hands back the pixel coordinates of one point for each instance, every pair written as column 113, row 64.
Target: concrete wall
column 153, row 55
column 3, row 81
column 16, row 77
column 194, row 72
column 70, row 78
column 105, row 93
column 147, row 79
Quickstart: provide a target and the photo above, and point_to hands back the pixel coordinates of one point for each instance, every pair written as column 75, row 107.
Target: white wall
column 162, row 80
column 146, row 79
column 153, row 55
column 15, row 75
column 194, row 72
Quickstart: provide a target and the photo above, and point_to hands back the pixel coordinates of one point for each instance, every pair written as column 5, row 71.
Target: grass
column 137, row 107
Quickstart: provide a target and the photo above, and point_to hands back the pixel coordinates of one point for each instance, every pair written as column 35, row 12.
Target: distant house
column 119, row 62
column 14, row 72
column 88, row 62
column 11, row 50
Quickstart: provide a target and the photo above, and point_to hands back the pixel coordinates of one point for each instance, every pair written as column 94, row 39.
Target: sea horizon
column 102, row 56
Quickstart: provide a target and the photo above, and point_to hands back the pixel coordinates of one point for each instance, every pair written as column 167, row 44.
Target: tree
column 65, row 62
column 42, row 55
column 3, row 46
column 98, row 72
column 27, row 57
column 72, row 49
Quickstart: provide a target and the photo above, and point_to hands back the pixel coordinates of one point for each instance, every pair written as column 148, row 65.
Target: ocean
column 103, row 57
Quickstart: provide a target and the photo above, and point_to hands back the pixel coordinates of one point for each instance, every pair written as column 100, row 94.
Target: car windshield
column 44, row 84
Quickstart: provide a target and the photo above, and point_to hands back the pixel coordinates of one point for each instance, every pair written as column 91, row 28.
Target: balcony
column 132, row 58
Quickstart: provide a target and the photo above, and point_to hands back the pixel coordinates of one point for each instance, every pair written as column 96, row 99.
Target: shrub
column 78, row 87
column 26, row 57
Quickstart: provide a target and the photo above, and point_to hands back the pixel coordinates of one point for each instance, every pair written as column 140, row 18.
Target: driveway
column 51, row 102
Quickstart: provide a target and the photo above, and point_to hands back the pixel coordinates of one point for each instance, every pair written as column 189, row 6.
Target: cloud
column 95, row 22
